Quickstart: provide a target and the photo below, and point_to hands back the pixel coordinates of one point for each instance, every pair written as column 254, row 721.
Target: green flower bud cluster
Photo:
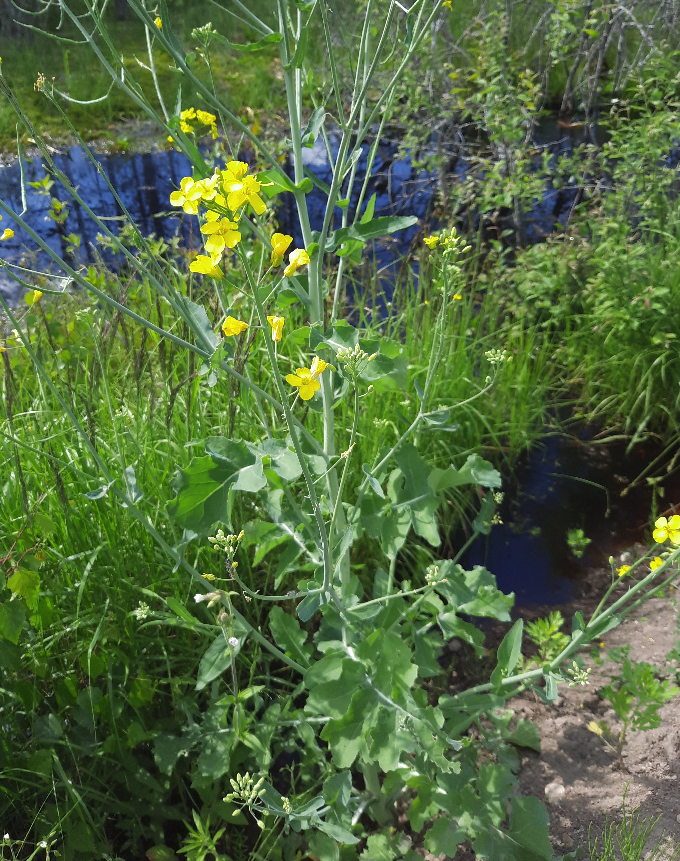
column 355, row 361
column 228, row 543
column 246, row 790
column 496, row 357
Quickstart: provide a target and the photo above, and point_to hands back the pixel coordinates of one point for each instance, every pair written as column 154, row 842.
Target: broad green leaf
column 214, row 662
column 340, row 835
column 453, row 626
column 200, row 325
column 394, row 531
column 475, row 470
column 373, row 482
column 529, row 824
column 345, row 735
column 387, row 743
column 508, row 653
column 203, row 487
column 264, row 42
column 10, row 653
column 12, row 617
column 415, row 494
column 274, row 182
column 289, row 636
column 43, row 525
column 323, row 847
column 167, row 749
column 161, row 853
column 180, row 610
column 525, row 735
column 444, row 837
column 27, row 585
column 333, row 697
column 379, row 847
column 372, row 229
column 284, row 461
column 483, row 522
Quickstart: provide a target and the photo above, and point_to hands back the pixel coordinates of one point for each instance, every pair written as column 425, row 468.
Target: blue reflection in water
column 144, row 183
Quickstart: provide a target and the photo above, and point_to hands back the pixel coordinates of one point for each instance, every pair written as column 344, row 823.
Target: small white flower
column 233, row 642
column 43, row 845
column 6, row 837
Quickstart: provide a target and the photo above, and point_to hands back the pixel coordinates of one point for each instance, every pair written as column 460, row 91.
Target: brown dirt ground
column 577, row 760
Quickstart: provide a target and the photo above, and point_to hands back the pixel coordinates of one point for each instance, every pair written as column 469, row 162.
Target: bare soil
column 576, row 775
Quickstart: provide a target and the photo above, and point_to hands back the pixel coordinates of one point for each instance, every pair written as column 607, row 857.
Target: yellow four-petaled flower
column 232, row 326
column 667, row 529
column 305, row 379
column 205, row 265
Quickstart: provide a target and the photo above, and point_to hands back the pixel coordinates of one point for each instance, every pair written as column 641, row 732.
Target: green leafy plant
column 636, row 696
column 302, row 707
column 577, row 541
column 547, row 636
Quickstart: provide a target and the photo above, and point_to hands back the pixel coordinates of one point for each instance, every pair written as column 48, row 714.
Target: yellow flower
column 602, row 645
column 232, row 326
column 280, row 243
column 188, row 195
column 448, row 5
column 306, row 383
column 221, row 233
column 624, row 569
column 7, row 234
column 209, row 188
column 667, row 529
column 656, row 562
column 208, row 119
column 593, row 726
column 457, row 297
column 242, row 190
column 32, row 297
column 431, row 241
column 207, row 266
column 318, row 367
column 276, row 323
column 296, row 258
column 158, row 23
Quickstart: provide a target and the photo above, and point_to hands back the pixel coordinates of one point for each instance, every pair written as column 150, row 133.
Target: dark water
column 144, row 183
column 548, row 496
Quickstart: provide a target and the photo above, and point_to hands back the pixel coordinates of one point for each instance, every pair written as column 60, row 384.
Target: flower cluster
column 496, row 357
column 228, row 543
column 446, row 241
column 355, row 361
column 225, row 196
column 246, row 790
column 202, row 117
column 578, row 676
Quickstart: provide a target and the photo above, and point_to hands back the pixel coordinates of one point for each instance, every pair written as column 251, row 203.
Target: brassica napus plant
column 370, row 731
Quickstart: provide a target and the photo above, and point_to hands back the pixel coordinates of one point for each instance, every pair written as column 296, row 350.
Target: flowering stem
column 323, row 537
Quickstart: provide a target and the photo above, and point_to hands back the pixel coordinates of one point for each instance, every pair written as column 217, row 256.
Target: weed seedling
column 636, row 695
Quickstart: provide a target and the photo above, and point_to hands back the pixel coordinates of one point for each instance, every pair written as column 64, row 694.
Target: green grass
column 97, row 686
column 245, row 81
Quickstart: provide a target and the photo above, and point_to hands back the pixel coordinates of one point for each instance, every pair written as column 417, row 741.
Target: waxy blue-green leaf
column 415, row 495
column 475, row 470
column 508, row 653
column 372, row 229
column 203, row 487
column 289, row 636
column 346, row 736
column 261, row 44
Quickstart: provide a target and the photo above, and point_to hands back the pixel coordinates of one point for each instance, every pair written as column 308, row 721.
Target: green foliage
column 547, row 636
column 636, row 696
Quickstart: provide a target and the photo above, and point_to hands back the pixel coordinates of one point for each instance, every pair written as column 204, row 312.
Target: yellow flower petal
column 276, row 323
column 158, row 23
column 232, row 326
column 431, row 241
column 656, row 562
column 8, row 233
column 296, row 259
